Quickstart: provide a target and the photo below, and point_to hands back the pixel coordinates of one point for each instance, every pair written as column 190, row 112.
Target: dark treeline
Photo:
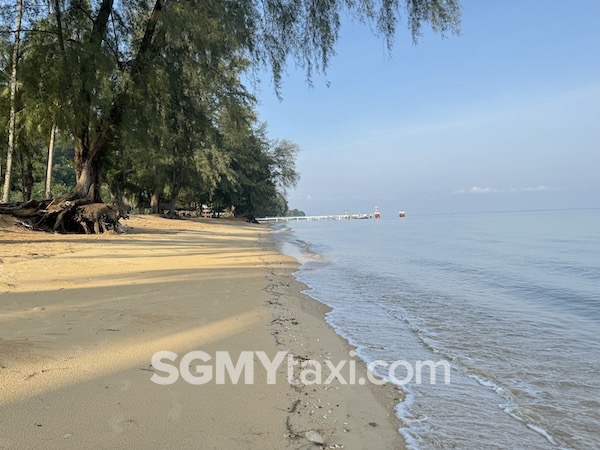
column 141, row 103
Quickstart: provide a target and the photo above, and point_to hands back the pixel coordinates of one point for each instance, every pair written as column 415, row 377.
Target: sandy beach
column 82, row 316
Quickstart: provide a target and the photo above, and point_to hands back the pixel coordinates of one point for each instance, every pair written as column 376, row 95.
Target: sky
column 505, row 116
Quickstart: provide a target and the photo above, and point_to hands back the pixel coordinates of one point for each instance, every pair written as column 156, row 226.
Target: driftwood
column 65, row 216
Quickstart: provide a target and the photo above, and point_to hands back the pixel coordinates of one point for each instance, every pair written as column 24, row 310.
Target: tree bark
column 175, row 188
column 172, row 205
column 87, row 164
column 13, row 106
column 48, row 189
column 154, row 203
column 26, row 167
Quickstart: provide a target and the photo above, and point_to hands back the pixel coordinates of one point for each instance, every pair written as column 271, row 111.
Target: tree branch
column 146, row 44
column 24, row 30
column 61, row 38
column 101, row 23
column 140, row 62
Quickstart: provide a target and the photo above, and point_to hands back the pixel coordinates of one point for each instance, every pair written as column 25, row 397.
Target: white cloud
column 488, row 190
column 476, row 190
column 537, row 189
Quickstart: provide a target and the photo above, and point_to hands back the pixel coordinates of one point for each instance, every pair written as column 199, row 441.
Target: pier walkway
column 298, row 218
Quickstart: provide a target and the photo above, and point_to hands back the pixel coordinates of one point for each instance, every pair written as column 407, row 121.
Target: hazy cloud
column 488, row 190
column 538, row 189
column 476, row 190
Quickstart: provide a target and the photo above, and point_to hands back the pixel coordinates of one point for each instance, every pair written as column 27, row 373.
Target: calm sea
column 511, row 300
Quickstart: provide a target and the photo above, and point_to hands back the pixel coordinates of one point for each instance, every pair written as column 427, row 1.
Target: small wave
column 512, row 409
column 404, row 415
column 304, row 252
column 424, row 335
column 308, row 254
column 281, row 229
column 542, row 432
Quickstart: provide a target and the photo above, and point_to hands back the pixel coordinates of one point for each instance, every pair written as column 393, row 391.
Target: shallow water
column 512, row 301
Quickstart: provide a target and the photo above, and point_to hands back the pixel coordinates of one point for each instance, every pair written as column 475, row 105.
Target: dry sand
column 81, row 317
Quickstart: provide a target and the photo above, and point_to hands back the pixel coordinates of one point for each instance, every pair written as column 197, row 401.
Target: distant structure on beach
column 402, row 214
column 377, row 214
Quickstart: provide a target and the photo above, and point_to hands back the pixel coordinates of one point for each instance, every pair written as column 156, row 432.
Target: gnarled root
column 64, row 216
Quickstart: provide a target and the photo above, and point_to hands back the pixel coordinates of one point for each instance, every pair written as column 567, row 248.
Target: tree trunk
column 154, row 203
column 88, row 162
column 48, row 189
column 118, row 199
column 13, row 106
column 26, row 167
column 177, row 181
column 88, row 182
column 28, row 181
column 172, row 205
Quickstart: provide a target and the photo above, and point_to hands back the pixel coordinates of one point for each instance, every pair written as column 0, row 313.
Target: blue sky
column 504, row 117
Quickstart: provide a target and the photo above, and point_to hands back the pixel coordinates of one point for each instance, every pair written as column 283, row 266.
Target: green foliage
column 294, row 213
column 63, row 173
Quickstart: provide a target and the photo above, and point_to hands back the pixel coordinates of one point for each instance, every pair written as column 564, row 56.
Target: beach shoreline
column 368, row 409
column 83, row 315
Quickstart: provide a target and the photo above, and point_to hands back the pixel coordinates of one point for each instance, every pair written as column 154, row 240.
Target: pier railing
column 329, row 217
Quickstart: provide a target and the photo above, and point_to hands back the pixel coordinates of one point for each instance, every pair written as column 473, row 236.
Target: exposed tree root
column 65, row 216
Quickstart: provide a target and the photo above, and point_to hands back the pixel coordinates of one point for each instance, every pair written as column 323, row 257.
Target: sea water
column 510, row 300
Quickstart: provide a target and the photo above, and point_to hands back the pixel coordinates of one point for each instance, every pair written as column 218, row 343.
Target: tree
column 295, row 213
column 48, row 185
column 257, row 170
column 283, row 153
column 13, row 103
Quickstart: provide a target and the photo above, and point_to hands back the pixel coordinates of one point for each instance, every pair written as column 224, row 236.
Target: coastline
column 350, row 415
column 77, row 339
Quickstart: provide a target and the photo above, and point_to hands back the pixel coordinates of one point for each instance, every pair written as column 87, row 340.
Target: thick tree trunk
column 48, row 189
column 172, row 205
column 87, row 166
column 88, row 182
column 173, row 200
column 13, row 106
